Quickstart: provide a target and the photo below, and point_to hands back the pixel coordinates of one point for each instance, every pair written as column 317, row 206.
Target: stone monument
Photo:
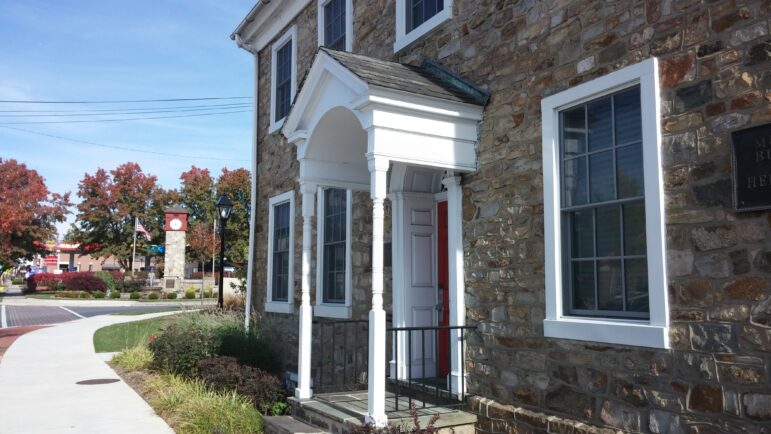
column 174, row 256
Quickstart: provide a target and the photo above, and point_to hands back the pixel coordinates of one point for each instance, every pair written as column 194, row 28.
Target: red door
column 443, row 278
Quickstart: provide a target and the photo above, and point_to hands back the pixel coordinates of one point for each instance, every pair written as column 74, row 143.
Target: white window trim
column 288, row 305
column 647, row 333
column 332, row 310
column 403, row 38
column 348, row 23
column 290, row 35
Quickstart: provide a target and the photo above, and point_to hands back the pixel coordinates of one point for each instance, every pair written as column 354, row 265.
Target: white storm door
column 420, row 295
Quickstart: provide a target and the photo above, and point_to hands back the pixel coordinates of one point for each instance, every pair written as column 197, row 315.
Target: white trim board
column 655, row 331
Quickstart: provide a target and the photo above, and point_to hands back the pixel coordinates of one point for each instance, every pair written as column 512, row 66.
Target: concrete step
column 288, row 425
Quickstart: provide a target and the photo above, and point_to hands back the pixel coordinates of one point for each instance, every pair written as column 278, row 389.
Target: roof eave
column 249, row 18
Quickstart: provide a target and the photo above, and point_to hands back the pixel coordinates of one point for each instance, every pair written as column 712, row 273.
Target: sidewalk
column 38, row 376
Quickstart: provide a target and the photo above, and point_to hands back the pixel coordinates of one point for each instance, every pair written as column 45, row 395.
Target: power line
column 121, row 148
column 127, row 108
column 160, row 110
column 124, row 119
column 123, row 101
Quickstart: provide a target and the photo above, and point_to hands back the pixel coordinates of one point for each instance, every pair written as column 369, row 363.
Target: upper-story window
column 420, row 11
column 334, row 247
column 283, row 77
column 336, row 24
column 415, row 18
column 603, row 211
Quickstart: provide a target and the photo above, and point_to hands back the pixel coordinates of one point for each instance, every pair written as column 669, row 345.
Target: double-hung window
column 283, row 77
column 280, row 253
column 334, row 247
column 415, row 18
column 336, row 24
column 605, row 273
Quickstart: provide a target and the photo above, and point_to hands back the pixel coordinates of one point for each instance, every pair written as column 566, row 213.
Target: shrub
column 115, row 294
column 234, row 302
column 253, row 348
column 194, row 408
column 190, row 293
column 153, row 296
column 189, row 339
column 134, row 359
column 135, row 296
column 225, row 373
column 98, row 294
column 131, row 286
column 83, row 294
column 107, row 278
column 17, row 280
column 171, row 295
column 43, row 281
column 207, row 293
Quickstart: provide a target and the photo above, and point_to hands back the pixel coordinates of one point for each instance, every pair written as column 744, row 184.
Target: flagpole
column 134, row 249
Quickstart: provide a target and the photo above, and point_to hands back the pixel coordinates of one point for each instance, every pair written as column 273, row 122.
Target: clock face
column 175, row 224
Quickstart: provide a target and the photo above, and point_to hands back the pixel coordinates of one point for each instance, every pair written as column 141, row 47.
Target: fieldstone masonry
column 715, row 74
column 174, row 256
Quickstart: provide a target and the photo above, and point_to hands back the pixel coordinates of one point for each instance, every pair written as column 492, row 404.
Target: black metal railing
column 429, row 382
column 341, row 355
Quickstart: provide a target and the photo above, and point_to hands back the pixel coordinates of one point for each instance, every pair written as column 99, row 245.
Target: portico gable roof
column 421, row 115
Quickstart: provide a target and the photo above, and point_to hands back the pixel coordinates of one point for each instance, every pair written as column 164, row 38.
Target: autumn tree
column 28, row 211
column 236, row 184
column 197, row 195
column 110, row 203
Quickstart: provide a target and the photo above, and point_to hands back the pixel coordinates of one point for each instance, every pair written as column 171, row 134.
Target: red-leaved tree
column 28, row 211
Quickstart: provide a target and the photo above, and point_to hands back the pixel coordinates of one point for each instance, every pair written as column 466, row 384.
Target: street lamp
column 224, row 209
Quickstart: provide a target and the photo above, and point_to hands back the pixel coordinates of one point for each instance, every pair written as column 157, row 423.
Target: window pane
column 583, row 234
column 609, row 289
column 283, row 80
column 634, row 228
column 334, row 24
column 574, row 181
column 637, row 285
column 583, row 284
column 627, row 116
column 608, row 231
column 574, row 131
column 629, row 171
column 600, row 124
column 280, row 278
column 420, row 11
column 601, row 176
column 335, row 233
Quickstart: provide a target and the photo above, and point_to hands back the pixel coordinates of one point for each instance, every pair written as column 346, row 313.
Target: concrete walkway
column 39, row 394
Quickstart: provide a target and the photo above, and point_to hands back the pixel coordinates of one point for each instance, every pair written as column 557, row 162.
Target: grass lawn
column 118, row 337
column 149, row 309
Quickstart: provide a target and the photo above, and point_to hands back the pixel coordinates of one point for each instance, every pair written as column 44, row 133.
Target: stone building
column 550, row 181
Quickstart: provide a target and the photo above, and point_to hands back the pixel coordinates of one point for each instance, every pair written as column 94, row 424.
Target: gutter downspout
column 255, row 156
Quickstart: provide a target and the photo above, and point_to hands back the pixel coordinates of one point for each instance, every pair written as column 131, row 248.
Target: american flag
column 142, row 230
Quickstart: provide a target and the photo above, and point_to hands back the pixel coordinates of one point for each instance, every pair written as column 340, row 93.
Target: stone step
column 288, row 425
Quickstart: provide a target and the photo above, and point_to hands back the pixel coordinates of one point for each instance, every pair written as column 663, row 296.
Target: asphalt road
column 13, row 316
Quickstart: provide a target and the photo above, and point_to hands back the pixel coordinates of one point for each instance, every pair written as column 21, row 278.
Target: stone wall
column 715, row 77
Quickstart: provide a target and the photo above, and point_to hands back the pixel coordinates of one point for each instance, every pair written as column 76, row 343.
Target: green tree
column 109, row 204
column 236, row 184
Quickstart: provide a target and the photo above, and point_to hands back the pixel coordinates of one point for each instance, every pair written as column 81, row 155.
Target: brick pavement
column 36, row 315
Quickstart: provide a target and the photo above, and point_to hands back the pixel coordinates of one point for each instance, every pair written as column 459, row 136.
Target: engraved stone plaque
column 751, row 160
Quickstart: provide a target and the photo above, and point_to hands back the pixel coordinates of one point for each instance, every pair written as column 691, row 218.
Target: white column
column 378, row 168
column 303, row 390
column 456, row 280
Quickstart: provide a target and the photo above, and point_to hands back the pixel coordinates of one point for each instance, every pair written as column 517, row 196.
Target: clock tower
column 174, row 256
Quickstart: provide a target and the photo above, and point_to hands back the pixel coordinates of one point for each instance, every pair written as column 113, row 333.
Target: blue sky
column 78, row 50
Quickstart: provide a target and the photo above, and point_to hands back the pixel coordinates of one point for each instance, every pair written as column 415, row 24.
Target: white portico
column 357, row 122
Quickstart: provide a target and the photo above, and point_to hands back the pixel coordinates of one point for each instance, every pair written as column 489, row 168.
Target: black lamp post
column 224, row 208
